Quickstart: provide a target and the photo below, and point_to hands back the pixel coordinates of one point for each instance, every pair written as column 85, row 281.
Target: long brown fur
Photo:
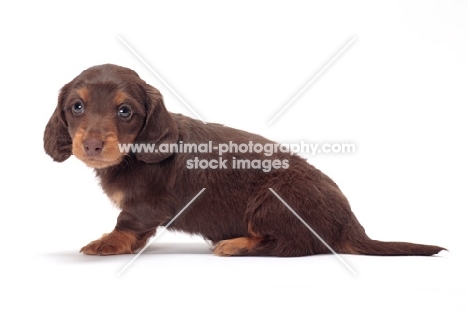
column 237, row 211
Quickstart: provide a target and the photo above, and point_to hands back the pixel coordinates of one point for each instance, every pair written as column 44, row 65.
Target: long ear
column 160, row 128
column 57, row 141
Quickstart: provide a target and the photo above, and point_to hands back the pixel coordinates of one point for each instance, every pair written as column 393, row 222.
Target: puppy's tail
column 379, row 248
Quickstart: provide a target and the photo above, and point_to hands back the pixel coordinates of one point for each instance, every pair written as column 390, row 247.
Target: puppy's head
column 102, row 109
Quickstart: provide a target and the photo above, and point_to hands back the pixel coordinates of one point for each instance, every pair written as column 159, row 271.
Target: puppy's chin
column 99, row 162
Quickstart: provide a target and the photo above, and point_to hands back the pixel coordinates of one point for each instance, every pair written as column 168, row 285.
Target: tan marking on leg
column 114, row 243
column 237, row 246
column 142, row 239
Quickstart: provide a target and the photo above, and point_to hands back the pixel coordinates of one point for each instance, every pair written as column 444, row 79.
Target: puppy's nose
column 92, row 146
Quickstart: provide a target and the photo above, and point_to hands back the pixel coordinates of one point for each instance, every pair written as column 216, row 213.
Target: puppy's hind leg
column 273, row 230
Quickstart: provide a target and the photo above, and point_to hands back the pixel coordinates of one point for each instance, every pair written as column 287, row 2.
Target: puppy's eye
column 124, row 112
column 77, row 107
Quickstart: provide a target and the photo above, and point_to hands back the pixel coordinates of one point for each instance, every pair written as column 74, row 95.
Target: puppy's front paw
column 114, row 243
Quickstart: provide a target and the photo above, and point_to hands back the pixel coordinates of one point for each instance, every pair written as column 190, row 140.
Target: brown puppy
column 109, row 105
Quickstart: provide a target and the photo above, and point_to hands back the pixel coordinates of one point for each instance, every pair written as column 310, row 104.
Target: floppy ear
column 159, row 129
column 57, row 141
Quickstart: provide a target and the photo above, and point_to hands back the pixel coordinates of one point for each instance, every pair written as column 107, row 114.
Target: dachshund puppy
column 108, row 106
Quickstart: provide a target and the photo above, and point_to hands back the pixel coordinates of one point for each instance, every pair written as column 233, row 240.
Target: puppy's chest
column 117, row 197
column 115, row 192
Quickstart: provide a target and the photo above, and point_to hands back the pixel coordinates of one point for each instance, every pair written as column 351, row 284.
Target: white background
column 398, row 92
